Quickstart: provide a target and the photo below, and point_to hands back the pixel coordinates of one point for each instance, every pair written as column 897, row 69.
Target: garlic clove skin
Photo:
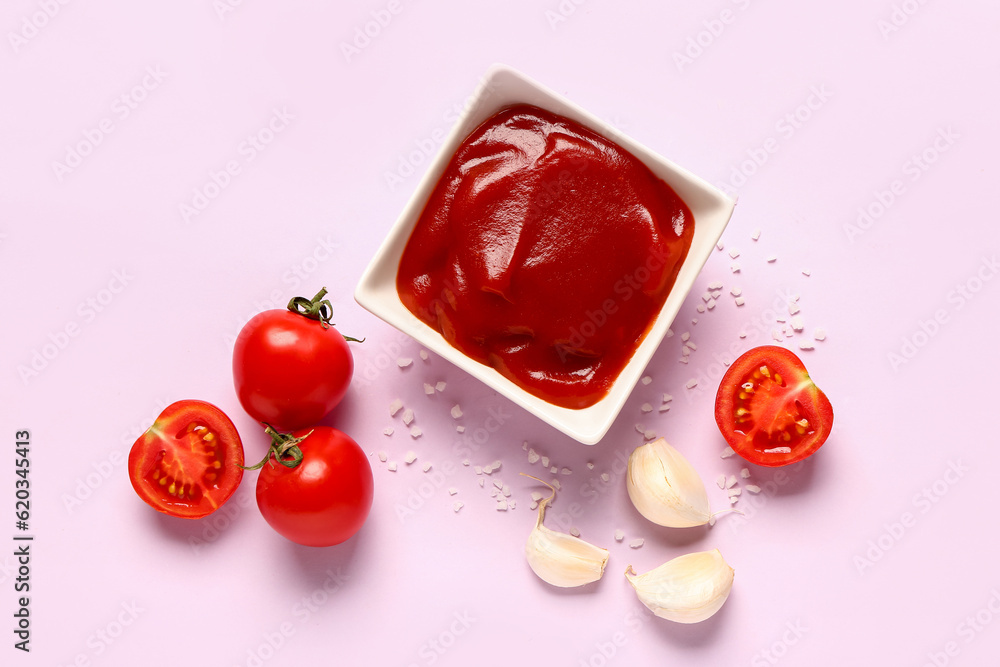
column 665, row 487
column 687, row 589
column 562, row 560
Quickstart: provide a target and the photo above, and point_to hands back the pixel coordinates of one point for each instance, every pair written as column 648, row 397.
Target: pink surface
column 168, row 172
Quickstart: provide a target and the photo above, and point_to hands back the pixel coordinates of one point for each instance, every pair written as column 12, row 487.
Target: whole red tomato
column 291, row 367
column 315, row 487
column 189, row 462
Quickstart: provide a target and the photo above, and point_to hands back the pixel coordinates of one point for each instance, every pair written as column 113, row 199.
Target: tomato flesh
column 769, row 410
column 187, row 464
column 325, row 499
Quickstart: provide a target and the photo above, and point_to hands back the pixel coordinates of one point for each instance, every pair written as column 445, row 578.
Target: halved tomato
column 769, row 410
column 188, row 463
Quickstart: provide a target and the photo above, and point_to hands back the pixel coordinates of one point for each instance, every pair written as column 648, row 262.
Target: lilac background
column 880, row 550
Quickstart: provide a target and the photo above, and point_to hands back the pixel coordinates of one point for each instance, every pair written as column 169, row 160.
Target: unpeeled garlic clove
column 687, row 589
column 665, row 488
column 560, row 559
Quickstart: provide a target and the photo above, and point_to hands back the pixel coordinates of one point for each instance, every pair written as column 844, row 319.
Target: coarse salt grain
column 605, row 477
column 574, row 531
column 739, row 302
column 797, row 323
column 719, row 245
column 392, row 466
column 667, row 398
column 745, row 473
column 427, row 467
column 819, row 334
column 752, row 488
column 533, row 456
column 415, row 432
column 403, row 362
column 424, row 355
column 395, row 407
column 554, row 470
column 735, row 491
column 806, row 346
column 665, row 407
column 734, row 267
column 690, row 344
column 771, row 259
column 458, row 505
column 460, row 428
column 456, row 411
column 731, row 482
column 646, row 407
column 692, row 383
column 734, row 253
column 756, row 235
column 388, row 430
column 646, row 380
column 806, row 272
column 383, row 457
column 566, row 471
column 649, row 435
column 715, row 285
column 428, row 389
column 545, row 462
column 411, row 456
column 619, row 535
column 727, row 452
column 408, row 416
column 440, row 386
column 736, row 291
column 636, row 543
column 556, row 483
column 700, row 308
column 793, row 308
column 721, row 481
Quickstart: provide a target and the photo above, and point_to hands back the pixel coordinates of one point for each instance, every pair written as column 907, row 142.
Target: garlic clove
column 559, row 559
column 665, row 487
column 687, row 589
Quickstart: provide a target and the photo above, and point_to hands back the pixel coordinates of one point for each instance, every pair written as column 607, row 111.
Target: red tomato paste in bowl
column 545, row 251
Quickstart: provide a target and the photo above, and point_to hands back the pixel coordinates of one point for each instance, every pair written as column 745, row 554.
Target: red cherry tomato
column 291, row 368
column 188, row 463
column 323, row 498
column 769, row 410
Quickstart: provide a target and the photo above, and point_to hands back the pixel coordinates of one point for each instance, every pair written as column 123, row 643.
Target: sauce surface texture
column 545, row 251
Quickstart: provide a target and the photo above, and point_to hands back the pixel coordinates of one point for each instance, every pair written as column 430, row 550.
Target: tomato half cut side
column 769, row 410
column 188, row 463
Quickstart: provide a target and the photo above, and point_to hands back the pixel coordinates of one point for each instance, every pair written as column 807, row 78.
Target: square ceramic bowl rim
column 501, row 87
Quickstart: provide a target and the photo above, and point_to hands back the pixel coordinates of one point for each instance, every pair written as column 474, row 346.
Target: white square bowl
column 502, row 87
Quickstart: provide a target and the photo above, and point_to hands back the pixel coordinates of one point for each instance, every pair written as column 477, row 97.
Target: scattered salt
column 383, row 457
column 456, row 411
column 619, row 535
column 415, row 432
column 392, row 466
column 403, row 362
column 388, row 430
column 408, row 416
column 395, row 407
column 411, row 456
column 636, row 543
column 458, row 505
column 646, row 407
column 752, row 488
column 727, row 452
column 441, row 385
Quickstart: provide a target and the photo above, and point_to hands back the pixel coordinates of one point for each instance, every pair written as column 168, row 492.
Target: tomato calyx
column 317, row 308
column 284, row 448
